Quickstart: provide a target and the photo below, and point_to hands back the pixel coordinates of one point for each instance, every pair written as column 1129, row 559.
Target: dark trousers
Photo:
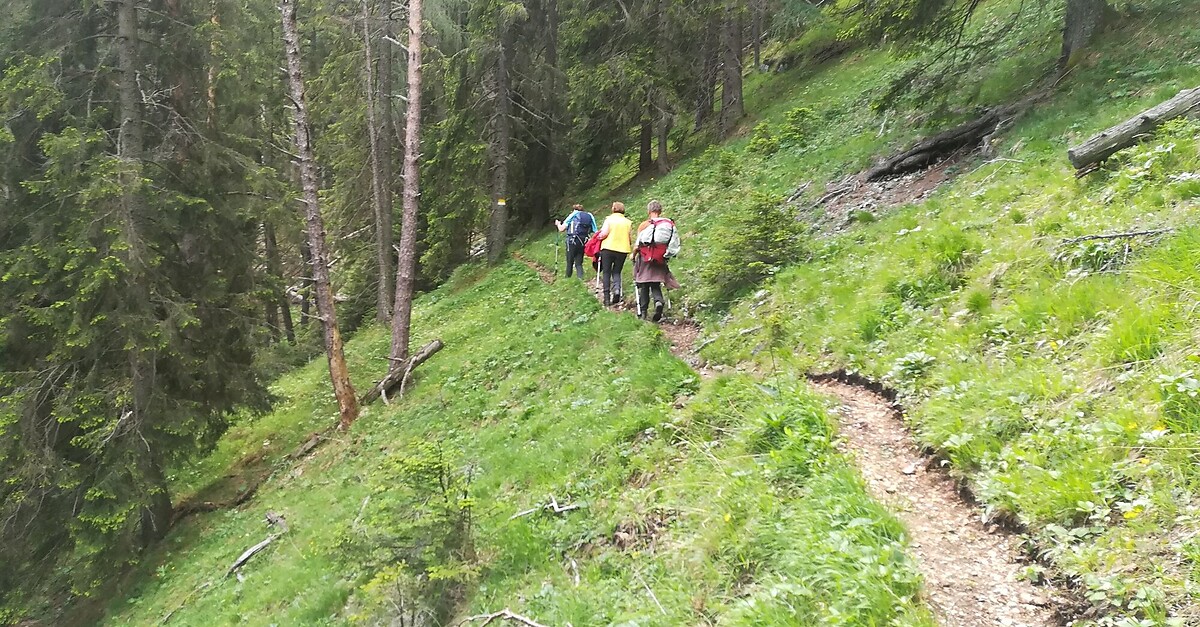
column 574, row 257
column 646, row 291
column 611, row 265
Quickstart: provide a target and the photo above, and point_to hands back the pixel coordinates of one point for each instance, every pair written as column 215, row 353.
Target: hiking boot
column 658, row 312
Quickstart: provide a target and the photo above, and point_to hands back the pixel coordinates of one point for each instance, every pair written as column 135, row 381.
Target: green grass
column 738, row 510
column 1054, row 376
column 1057, row 378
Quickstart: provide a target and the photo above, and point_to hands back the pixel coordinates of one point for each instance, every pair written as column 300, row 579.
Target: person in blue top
column 578, row 226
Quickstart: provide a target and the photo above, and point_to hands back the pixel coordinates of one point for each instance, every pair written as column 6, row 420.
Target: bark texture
column 499, row 84
column 381, row 197
column 732, row 107
column 156, row 505
column 407, row 261
column 1103, row 145
column 339, row 374
column 1083, row 21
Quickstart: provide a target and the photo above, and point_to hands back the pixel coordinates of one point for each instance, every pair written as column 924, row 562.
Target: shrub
column 798, row 125
column 416, row 534
column 750, row 247
column 763, row 141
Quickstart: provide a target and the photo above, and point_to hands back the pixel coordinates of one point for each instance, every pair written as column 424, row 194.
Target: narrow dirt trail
column 970, row 569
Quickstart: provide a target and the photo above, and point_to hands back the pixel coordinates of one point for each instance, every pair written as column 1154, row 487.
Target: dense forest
column 201, row 196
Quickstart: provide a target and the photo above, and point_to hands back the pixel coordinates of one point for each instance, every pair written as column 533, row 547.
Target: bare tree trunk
column 1083, row 21
column 646, row 137
column 279, row 297
column 380, row 181
column 211, row 118
column 708, row 64
column 407, row 262
column 306, row 292
column 498, row 147
column 156, row 508
column 665, row 121
column 732, row 108
column 756, row 28
column 338, row 371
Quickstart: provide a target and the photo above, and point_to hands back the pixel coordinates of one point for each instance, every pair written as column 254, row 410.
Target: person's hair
column 618, row 207
column 577, row 207
column 654, row 207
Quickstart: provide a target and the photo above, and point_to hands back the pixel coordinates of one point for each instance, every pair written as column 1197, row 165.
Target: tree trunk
column 306, row 292
column 211, row 116
column 338, row 372
column 407, row 261
column 157, row 512
column 277, row 296
column 646, row 139
column 1084, row 19
column 380, row 180
column 708, row 64
column 732, row 108
column 498, row 147
column 665, row 122
column 156, row 508
column 756, row 28
column 1103, row 145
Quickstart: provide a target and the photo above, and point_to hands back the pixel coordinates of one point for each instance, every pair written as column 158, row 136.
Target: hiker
column 578, row 226
column 616, row 242
column 657, row 243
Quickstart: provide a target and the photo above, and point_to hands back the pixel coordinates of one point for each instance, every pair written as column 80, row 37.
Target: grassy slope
column 737, row 509
column 1039, row 386
column 1035, row 367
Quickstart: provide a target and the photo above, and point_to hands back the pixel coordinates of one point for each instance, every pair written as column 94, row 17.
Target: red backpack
column 592, row 247
column 655, row 251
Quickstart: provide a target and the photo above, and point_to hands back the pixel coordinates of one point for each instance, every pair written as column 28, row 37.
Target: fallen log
column 1103, row 145
column 249, row 553
column 930, row 150
column 401, row 373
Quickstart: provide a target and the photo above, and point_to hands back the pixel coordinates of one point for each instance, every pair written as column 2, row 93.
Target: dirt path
column 970, row 569
column 545, row 274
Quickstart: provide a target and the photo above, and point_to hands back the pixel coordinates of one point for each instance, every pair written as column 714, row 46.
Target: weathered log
column 401, row 372
column 249, row 553
column 1103, row 145
column 928, row 151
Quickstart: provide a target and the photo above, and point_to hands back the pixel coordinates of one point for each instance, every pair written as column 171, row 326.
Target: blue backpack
column 581, row 226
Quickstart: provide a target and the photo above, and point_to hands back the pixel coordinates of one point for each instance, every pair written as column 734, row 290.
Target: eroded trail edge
column 971, row 569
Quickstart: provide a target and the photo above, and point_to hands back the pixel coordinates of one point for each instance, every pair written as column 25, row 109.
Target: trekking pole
column 557, row 241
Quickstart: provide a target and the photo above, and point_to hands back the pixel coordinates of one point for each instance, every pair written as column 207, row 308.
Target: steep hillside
column 1053, row 374
column 718, row 501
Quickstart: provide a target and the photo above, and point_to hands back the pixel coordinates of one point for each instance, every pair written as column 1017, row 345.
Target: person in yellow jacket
column 616, row 236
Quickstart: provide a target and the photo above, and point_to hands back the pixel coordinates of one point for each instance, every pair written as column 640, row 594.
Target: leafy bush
column 763, row 141
column 798, row 125
column 750, row 247
column 416, row 535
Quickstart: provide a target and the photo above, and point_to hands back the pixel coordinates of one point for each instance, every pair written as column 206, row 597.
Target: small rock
column 1032, row 599
column 910, row 469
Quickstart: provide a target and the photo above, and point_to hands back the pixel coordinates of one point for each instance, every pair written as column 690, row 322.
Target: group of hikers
column 653, row 244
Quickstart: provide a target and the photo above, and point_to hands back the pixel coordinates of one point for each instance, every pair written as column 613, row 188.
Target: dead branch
column 504, row 614
column 401, row 373
column 1107, row 236
column 249, row 553
column 550, row 506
